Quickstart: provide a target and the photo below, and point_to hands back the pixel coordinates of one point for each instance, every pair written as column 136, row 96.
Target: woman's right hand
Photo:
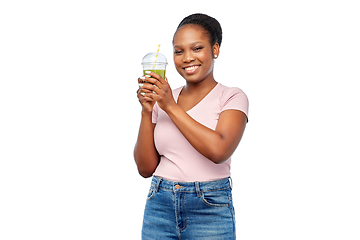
column 145, row 154
column 146, row 102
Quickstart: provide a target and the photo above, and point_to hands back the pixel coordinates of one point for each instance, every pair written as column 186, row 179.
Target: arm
column 145, row 154
column 217, row 145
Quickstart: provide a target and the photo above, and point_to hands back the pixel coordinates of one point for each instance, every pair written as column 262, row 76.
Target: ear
column 216, row 50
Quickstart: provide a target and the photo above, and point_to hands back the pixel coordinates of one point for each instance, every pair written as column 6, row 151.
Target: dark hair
column 209, row 24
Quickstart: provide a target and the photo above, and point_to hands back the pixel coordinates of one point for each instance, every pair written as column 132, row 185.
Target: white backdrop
column 69, row 115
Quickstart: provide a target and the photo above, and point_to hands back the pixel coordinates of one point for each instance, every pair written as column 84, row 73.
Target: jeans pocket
column 218, row 198
column 151, row 193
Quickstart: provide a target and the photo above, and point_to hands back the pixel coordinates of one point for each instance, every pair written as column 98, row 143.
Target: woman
column 186, row 139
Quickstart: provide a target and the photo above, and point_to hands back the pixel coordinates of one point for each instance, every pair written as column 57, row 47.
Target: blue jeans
column 189, row 210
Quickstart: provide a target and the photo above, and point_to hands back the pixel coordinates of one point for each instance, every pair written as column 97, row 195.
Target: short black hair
column 209, row 24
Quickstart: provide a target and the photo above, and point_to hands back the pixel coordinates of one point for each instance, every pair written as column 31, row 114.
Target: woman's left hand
column 160, row 90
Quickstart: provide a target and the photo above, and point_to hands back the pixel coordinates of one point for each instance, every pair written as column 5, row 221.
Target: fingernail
column 140, row 84
column 142, row 78
column 147, row 72
column 142, row 93
column 147, row 76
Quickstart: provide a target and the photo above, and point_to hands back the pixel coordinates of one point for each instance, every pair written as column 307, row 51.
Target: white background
column 69, row 115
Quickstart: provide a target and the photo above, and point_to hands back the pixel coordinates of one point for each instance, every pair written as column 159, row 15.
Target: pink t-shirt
column 180, row 161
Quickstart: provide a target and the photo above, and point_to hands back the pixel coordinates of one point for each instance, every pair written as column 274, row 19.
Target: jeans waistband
column 198, row 187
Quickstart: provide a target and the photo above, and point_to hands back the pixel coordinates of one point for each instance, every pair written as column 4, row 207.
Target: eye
column 177, row 52
column 198, row 48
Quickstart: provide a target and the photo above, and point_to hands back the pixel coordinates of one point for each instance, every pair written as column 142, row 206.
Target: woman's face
column 193, row 53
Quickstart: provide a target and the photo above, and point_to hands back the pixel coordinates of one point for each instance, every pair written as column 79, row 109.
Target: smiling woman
column 194, row 59
column 186, row 140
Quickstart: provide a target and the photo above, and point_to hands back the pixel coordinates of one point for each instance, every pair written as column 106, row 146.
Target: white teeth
column 191, row 68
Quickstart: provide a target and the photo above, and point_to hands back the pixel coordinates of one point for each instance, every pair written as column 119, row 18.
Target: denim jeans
column 189, row 210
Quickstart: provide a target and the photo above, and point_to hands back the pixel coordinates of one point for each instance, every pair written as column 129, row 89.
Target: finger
column 144, row 78
column 141, row 91
column 147, row 78
column 142, row 95
column 148, row 87
column 148, row 96
column 143, row 99
column 156, row 76
column 152, row 74
column 150, row 83
column 141, row 79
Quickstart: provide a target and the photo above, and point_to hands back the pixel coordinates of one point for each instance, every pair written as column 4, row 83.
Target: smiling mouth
column 191, row 69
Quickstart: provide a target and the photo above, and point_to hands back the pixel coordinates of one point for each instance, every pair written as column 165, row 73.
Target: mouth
column 191, row 69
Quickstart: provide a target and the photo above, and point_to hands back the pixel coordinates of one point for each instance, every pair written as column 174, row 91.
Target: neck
column 203, row 86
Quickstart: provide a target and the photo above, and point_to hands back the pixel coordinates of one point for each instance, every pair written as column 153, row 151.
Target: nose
column 188, row 57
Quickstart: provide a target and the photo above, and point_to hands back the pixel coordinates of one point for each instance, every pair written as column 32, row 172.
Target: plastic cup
column 156, row 64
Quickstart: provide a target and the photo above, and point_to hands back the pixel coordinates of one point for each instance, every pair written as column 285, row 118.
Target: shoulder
column 227, row 93
column 233, row 98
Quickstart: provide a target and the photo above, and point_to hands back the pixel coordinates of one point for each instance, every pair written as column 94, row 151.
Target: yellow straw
column 157, row 54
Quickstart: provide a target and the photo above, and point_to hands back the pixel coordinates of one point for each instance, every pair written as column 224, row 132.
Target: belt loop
column 231, row 183
column 157, row 184
column 197, row 187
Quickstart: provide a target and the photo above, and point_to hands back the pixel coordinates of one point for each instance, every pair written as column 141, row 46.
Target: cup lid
column 150, row 59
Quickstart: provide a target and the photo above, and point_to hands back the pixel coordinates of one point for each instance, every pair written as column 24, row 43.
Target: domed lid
column 150, row 59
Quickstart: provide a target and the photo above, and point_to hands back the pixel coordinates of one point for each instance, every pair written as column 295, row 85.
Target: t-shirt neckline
column 180, row 90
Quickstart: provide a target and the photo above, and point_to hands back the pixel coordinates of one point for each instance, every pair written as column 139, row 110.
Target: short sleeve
column 234, row 98
column 155, row 113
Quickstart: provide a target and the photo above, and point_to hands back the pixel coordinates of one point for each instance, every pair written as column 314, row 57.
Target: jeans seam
column 152, row 193
column 184, row 213
column 176, row 217
column 213, row 204
column 232, row 211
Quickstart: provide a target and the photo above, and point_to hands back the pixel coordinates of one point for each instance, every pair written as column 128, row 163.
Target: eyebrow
column 191, row 44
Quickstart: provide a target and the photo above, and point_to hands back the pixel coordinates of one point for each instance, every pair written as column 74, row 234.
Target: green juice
column 161, row 72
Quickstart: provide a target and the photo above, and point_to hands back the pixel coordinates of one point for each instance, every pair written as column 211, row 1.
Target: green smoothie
column 161, row 72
